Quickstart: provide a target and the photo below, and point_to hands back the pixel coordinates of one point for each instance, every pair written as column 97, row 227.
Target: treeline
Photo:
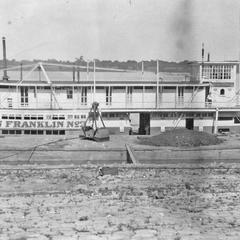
column 149, row 65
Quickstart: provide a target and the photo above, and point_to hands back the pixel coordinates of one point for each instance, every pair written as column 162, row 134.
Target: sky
column 170, row 30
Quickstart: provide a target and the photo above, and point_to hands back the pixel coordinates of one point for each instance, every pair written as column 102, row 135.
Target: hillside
column 149, row 65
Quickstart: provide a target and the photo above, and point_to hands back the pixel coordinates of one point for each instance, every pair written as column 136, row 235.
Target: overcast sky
column 170, row 30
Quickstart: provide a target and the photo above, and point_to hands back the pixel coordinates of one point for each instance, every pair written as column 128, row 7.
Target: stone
column 147, row 233
column 121, row 235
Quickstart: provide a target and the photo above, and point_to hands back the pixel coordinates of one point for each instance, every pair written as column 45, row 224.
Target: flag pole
column 157, row 100
column 94, row 79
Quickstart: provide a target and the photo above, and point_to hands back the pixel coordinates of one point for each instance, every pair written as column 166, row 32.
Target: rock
column 18, row 236
column 145, row 233
column 120, row 235
column 107, row 171
column 83, row 218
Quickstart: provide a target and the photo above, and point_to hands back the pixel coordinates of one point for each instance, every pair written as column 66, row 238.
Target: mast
column 157, row 92
column 202, row 61
column 5, row 76
column 94, row 80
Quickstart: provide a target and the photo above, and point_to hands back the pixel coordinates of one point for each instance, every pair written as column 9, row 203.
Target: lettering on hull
column 29, row 124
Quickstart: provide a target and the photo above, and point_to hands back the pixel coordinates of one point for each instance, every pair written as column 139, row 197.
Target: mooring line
column 36, row 146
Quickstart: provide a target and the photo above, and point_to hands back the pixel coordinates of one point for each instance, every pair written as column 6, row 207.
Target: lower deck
column 70, row 122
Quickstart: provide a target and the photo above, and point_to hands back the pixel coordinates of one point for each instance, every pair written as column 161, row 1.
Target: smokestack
column 5, row 76
column 208, row 57
column 202, row 58
column 202, row 52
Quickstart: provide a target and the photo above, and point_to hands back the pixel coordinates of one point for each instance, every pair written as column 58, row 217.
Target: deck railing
column 120, row 105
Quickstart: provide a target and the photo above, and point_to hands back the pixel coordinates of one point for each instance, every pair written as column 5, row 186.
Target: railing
column 119, row 105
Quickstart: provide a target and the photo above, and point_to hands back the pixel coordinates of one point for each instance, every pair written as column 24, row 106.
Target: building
column 48, row 102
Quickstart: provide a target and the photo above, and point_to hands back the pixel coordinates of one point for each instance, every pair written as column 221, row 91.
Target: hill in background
column 149, row 65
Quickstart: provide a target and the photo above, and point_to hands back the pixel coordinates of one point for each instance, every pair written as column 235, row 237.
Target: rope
column 84, row 67
column 16, row 67
column 36, row 146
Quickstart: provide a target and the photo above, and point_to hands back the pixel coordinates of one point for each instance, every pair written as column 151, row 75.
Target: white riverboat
column 37, row 100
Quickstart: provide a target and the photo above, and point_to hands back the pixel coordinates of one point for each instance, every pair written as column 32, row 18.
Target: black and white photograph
column 119, row 119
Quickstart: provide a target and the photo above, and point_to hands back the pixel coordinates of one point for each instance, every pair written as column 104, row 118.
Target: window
column 69, row 93
column 104, row 115
column 108, row 95
column 225, row 118
column 24, row 96
column 227, row 72
column 62, row 132
column 222, row 92
column 118, row 88
column 169, row 88
column 180, row 93
column 84, row 96
column 9, row 100
column 129, row 94
column 148, row 88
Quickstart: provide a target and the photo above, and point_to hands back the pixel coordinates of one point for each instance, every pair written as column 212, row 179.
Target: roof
column 215, row 63
column 101, row 77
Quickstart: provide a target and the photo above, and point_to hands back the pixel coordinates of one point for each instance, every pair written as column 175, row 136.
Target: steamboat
column 36, row 101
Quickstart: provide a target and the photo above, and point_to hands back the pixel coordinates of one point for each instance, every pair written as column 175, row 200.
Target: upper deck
column 208, row 85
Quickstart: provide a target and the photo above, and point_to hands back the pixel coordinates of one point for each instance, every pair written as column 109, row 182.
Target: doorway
column 207, row 91
column 144, row 128
column 190, row 123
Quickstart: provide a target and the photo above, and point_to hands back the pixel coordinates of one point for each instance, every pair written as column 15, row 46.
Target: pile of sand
column 181, row 137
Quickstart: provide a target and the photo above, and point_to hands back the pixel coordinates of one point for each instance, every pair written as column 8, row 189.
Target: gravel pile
column 181, row 137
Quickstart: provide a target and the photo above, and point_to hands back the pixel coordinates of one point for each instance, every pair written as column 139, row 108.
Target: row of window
column 217, row 72
column 41, row 117
column 188, row 115
column 114, row 115
column 24, row 95
column 69, row 92
column 34, row 132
